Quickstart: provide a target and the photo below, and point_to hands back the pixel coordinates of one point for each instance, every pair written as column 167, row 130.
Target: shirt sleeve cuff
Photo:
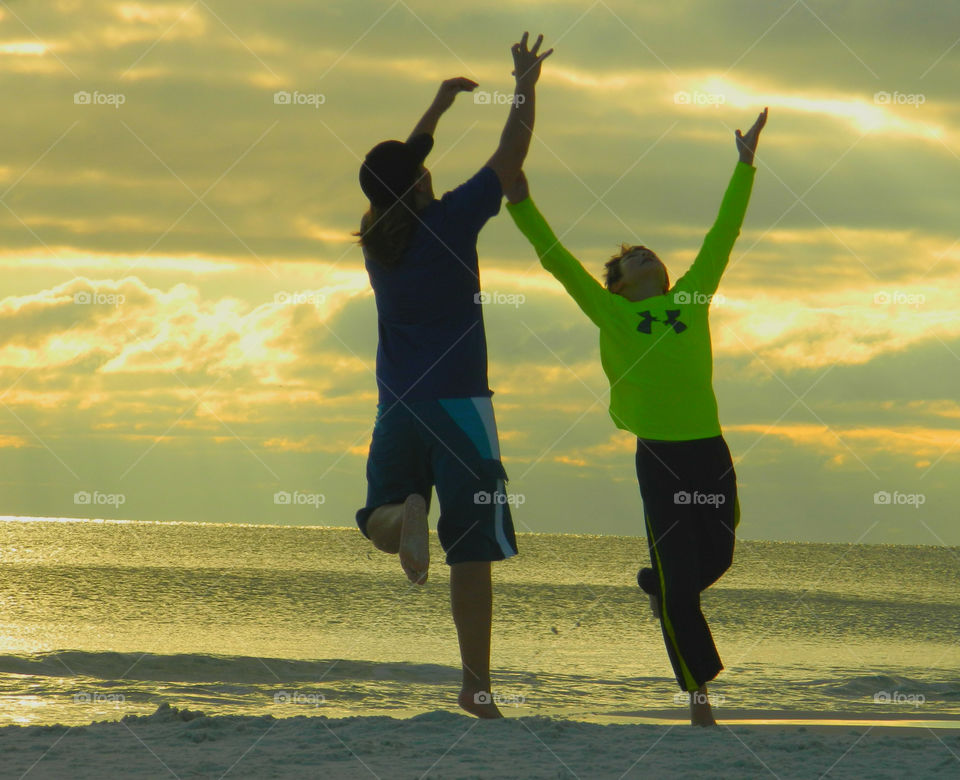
column 521, row 205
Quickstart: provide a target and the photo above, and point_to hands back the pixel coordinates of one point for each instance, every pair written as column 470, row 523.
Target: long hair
column 386, row 232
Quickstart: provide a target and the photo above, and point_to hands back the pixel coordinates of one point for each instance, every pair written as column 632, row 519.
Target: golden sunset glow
column 182, row 286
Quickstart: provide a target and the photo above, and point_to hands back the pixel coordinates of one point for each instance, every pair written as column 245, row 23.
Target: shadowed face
column 424, row 185
column 640, row 266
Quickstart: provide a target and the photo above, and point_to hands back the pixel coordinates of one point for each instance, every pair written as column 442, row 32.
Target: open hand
column 747, row 144
column 526, row 63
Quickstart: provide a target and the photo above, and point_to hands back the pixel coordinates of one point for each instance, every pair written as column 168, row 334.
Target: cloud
column 845, row 446
column 188, row 212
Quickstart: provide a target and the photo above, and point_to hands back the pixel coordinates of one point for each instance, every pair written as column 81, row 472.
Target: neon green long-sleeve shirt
column 656, row 352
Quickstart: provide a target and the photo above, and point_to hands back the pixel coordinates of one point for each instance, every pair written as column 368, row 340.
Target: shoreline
column 441, row 744
column 809, row 721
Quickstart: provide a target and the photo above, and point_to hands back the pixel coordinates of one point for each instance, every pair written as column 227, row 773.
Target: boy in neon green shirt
column 655, row 350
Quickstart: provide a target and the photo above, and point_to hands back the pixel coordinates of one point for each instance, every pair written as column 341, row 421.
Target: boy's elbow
column 549, row 266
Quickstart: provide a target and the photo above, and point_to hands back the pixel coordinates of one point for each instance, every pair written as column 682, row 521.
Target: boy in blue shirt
column 435, row 422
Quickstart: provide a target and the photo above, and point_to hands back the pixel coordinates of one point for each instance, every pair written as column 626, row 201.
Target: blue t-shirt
column 432, row 341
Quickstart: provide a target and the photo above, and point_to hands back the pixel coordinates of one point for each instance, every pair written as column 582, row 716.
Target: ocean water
column 104, row 619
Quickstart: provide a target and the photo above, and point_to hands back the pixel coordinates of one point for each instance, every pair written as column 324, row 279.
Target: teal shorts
column 450, row 444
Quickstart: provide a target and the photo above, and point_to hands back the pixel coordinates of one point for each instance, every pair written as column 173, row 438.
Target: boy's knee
column 680, row 600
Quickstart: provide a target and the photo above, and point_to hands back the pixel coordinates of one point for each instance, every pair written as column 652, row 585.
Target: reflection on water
column 227, row 618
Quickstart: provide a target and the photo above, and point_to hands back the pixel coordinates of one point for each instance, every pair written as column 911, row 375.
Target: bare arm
column 518, row 190
column 508, row 159
column 449, row 89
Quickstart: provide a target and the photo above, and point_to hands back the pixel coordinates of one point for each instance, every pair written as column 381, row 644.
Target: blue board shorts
column 450, row 443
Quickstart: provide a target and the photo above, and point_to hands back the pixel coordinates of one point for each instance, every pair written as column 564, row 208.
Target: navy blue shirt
column 432, row 341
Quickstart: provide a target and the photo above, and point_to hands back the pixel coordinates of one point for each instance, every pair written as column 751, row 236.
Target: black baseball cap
column 391, row 168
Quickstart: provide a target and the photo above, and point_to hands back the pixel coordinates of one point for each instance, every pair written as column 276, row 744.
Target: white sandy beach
column 187, row 744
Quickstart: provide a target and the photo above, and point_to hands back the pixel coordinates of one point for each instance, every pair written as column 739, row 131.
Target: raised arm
column 515, row 139
column 710, row 263
column 596, row 302
column 448, row 91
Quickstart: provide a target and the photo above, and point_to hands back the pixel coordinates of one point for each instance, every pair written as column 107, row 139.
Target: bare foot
column 414, row 539
column 479, row 703
column 701, row 713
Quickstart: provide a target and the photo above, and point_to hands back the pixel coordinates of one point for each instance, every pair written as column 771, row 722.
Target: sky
column 187, row 331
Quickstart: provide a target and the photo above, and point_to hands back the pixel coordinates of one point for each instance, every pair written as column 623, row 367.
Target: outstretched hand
column 526, row 63
column 747, row 144
column 518, row 190
column 449, row 90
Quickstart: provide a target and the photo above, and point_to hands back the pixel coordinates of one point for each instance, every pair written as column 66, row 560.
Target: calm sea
column 103, row 619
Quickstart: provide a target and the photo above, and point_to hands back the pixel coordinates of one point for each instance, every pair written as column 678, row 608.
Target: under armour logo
column 672, row 321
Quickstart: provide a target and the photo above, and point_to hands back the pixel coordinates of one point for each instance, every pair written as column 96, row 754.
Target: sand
column 188, row 744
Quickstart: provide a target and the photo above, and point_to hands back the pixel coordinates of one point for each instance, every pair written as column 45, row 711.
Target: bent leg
column 402, row 529
column 647, row 580
column 716, row 544
column 399, row 484
column 383, row 527
column 471, row 600
column 718, row 521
